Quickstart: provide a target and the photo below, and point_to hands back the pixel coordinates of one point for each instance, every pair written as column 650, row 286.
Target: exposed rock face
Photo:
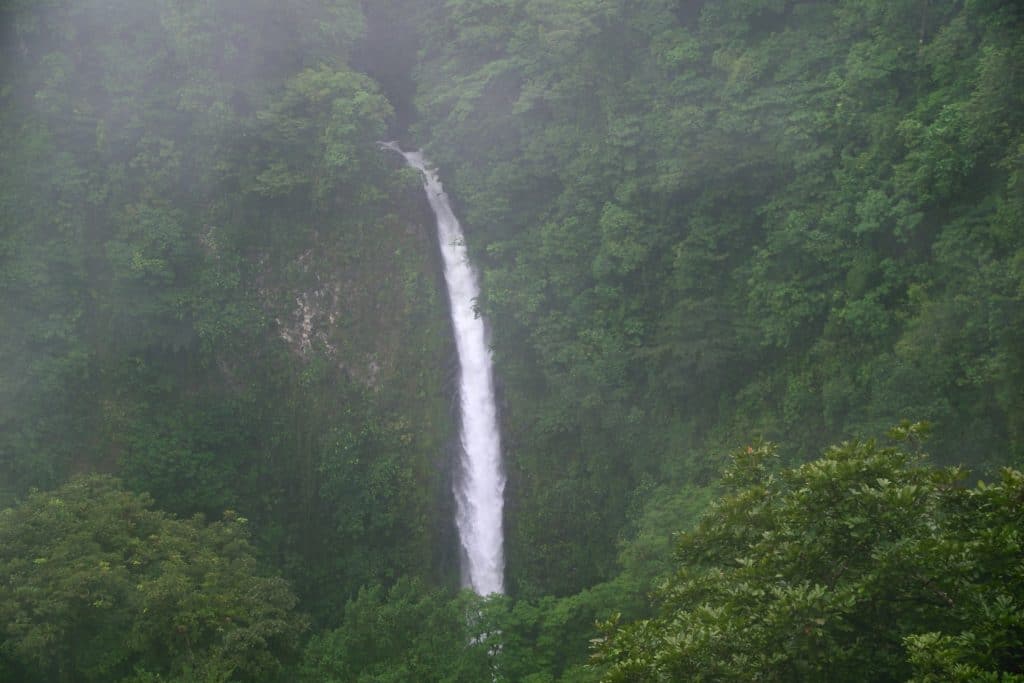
column 315, row 313
column 372, row 303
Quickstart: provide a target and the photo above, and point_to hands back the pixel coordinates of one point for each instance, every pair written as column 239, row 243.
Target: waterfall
column 480, row 484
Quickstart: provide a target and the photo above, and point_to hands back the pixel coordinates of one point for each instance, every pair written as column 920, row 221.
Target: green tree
column 698, row 221
column 866, row 564
column 406, row 634
column 98, row 586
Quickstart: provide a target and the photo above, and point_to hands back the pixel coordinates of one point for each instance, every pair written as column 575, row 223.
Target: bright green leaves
column 149, row 246
column 624, row 244
column 407, row 633
column 278, row 180
column 99, row 587
column 988, row 641
column 864, row 564
column 676, row 49
column 367, row 477
column 564, row 27
column 940, row 154
column 324, row 127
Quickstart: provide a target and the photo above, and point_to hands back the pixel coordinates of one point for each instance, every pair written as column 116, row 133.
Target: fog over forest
column 731, row 389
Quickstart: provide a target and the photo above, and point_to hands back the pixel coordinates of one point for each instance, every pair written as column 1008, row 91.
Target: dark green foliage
column 866, row 564
column 212, row 277
column 695, row 221
column 98, row 586
column 700, row 221
column 407, row 633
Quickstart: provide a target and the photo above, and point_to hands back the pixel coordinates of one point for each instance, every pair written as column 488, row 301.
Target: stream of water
column 480, row 483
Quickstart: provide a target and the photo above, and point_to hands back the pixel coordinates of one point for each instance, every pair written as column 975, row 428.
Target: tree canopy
column 697, row 224
column 866, row 564
column 702, row 221
column 99, row 586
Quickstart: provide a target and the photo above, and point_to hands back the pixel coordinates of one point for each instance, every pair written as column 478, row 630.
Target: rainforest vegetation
column 754, row 275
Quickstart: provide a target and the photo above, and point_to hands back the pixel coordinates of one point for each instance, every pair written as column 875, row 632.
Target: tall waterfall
column 480, row 485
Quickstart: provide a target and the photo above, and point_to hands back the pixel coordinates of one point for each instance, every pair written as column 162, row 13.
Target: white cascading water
column 479, row 489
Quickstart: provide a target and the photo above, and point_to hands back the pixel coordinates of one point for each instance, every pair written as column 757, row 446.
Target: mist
column 751, row 279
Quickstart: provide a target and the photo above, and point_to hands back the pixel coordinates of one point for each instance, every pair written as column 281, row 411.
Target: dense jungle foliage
column 226, row 374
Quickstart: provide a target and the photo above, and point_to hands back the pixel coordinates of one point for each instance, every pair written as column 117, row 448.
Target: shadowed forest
column 753, row 272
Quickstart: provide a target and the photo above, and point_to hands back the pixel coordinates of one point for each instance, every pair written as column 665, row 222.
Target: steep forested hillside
column 698, row 225
column 216, row 287
column 702, row 222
